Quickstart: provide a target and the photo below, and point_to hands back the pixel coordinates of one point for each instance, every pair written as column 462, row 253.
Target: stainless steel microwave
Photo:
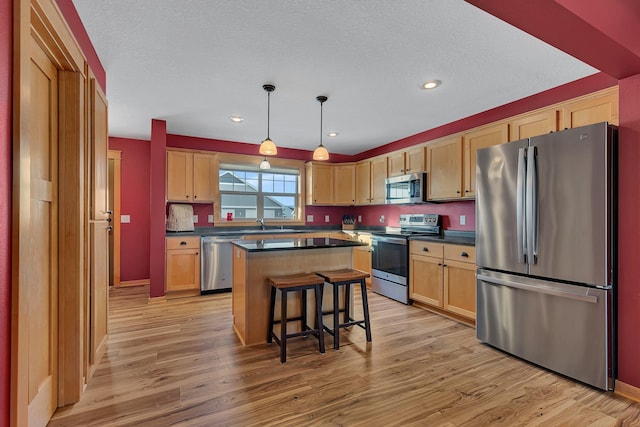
column 407, row 189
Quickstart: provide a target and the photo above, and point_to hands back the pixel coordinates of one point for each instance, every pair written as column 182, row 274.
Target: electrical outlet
column 210, row 219
column 195, row 219
column 359, row 218
column 326, row 218
column 309, row 218
column 125, row 219
column 463, row 219
column 382, row 218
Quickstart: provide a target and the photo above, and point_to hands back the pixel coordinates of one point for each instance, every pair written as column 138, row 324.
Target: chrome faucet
column 261, row 222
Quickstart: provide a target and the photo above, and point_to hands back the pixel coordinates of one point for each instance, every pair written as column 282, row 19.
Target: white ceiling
column 196, row 63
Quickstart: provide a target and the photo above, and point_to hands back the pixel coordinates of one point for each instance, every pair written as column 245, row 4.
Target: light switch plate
column 463, row 219
column 382, row 218
column 309, row 218
column 195, row 219
column 326, row 218
column 210, row 219
column 125, row 219
column 359, row 218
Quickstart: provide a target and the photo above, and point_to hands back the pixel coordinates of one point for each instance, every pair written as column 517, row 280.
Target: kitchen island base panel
column 251, row 290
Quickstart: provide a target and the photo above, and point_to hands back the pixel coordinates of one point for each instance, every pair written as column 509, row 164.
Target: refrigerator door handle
column 537, row 289
column 520, row 205
column 532, row 207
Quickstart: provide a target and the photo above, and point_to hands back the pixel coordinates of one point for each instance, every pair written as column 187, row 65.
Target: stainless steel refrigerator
column 545, row 241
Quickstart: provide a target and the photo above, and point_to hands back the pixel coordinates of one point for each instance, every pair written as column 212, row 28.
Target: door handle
column 538, row 289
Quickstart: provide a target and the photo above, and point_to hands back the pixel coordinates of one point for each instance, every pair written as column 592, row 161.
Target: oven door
column 389, row 267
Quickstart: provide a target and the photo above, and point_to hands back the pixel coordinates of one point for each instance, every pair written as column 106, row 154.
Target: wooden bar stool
column 294, row 283
column 346, row 278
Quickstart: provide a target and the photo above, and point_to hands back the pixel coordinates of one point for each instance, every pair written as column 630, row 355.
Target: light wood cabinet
column 443, row 276
column 538, row 123
column 319, row 183
column 370, row 181
column 473, row 141
column 330, row 184
column 344, row 184
column 407, row 161
column 183, row 265
column 593, row 109
column 190, row 177
column 444, row 167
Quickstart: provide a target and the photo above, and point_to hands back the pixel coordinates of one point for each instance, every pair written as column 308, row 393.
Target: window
column 249, row 193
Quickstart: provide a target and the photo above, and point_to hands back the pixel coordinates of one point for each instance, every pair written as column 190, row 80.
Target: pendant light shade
column 265, row 164
column 267, row 147
column 321, row 153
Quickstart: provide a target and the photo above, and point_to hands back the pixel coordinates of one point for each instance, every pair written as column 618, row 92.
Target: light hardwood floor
column 180, row 363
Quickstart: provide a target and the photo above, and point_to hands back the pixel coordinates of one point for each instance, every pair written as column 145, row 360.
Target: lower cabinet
column 443, row 276
column 183, row 265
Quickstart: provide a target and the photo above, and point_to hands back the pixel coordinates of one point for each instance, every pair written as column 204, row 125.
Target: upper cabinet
column 370, row 181
column 534, row 124
column 407, row 161
column 600, row 107
column 330, row 184
column 190, row 177
column 319, row 183
column 473, row 141
column 344, row 184
column 444, row 167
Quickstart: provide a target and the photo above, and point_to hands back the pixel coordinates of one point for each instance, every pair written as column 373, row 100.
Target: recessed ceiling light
column 236, row 119
column 332, row 134
column 431, row 84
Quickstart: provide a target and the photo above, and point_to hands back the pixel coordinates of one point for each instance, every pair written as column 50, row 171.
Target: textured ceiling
column 196, row 63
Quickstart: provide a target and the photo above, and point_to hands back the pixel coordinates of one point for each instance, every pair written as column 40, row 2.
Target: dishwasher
column 216, row 264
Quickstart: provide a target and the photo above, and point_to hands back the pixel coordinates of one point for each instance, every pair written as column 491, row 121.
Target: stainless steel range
column 390, row 254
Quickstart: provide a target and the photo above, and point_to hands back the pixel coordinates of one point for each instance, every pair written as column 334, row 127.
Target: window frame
column 254, row 161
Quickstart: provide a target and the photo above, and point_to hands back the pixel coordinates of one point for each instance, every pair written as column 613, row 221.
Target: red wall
column 629, row 233
column 6, row 29
column 134, row 237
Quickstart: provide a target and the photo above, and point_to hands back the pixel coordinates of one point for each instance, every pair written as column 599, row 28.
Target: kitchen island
column 255, row 260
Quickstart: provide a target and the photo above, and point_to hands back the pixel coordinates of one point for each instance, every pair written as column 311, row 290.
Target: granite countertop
column 294, row 244
column 237, row 231
column 467, row 238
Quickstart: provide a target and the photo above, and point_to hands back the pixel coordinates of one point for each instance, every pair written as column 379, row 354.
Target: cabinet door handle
column 195, row 197
column 183, row 243
column 467, row 191
column 458, row 192
column 425, row 249
column 439, row 264
column 464, row 254
column 186, row 197
column 196, row 253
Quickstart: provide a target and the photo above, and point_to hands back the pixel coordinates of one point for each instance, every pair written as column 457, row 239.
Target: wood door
column 183, row 270
column 363, row 183
column 602, row 108
column 425, row 283
column 320, row 182
column 415, row 159
column 473, row 141
column 535, row 124
column 378, row 177
column 362, row 261
column 99, row 228
column 444, row 159
column 40, row 279
column 344, row 184
column 460, row 288
column 179, row 176
column 203, row 177
column 396, row 164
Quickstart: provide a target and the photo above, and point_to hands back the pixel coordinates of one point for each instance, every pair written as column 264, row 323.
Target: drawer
column 418, row 247
column 460, row 253
column 183, row 242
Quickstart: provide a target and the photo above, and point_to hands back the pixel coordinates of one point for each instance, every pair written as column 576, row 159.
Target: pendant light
column 265, row 164
column 321, row 153
column 267, row 147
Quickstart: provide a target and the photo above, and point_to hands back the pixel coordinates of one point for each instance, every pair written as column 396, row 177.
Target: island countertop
column 294, row 244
